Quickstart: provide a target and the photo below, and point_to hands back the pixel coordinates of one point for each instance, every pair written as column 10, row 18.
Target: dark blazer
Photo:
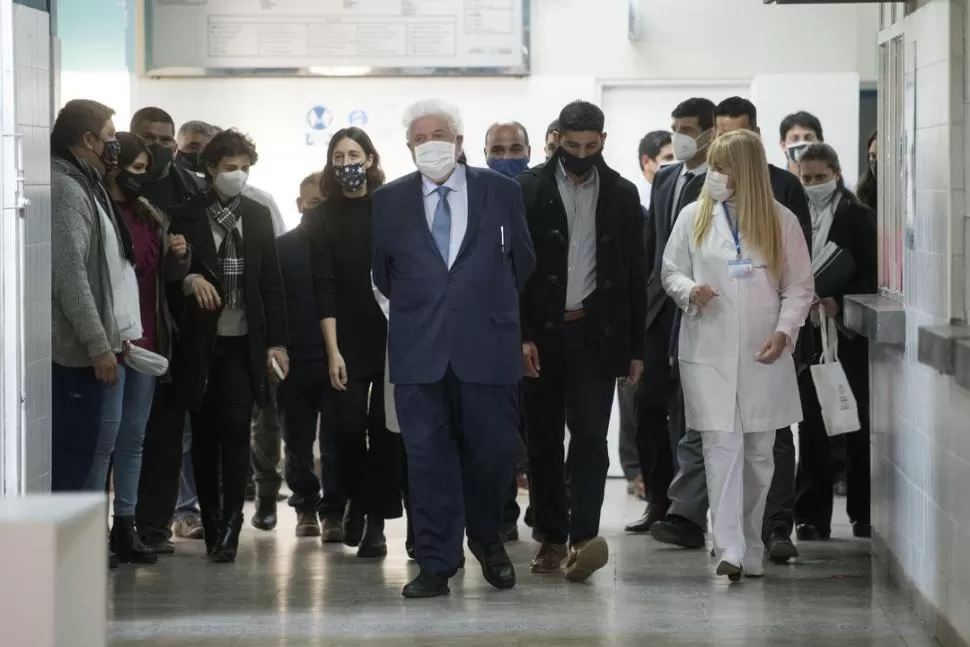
column 465, row 317
column 616, row 307
column 263, row 293
column 307, row 349
column 660, row 221
column 787, row 190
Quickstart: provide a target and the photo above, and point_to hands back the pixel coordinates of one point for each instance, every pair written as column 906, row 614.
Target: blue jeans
column 188, row 501
column 123, row 419
column 77, row 398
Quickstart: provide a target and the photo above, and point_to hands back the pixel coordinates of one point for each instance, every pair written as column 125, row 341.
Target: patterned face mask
column 350, row 176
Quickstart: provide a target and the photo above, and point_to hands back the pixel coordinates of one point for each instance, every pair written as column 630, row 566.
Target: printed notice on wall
column 337, row 37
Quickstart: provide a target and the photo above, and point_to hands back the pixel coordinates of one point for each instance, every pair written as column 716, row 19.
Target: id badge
column 740, row 268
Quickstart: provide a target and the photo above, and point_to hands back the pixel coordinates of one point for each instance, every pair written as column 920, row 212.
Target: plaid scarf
column 232, row 266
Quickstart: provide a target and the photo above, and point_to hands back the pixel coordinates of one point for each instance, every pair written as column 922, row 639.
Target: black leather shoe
column 496, row 565
column 211, row 533
column 158, row 544
column 265, row 516
column 780, row 548
column 861, row 530
column 225, row 551
column 651, row 515
column 373, row 544
column 112, row 559
column 127, row 545
column 678, row 531
column 808, row 532
column 426, row 585
column 353, row 524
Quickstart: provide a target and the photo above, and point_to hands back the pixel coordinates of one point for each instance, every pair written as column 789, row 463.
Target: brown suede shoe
column 587, row 557
column 549, row 558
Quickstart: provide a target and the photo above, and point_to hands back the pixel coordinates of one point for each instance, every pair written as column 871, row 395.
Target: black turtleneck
column 340, row 229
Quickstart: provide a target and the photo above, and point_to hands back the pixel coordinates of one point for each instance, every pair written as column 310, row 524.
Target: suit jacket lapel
column 476, row 206
column 415, row 210
column 669, row 215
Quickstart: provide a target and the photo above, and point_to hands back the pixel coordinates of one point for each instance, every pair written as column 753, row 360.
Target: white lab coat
column 718, row 344
column 390, row 413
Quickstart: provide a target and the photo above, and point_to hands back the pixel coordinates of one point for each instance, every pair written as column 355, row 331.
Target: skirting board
column 938, row 624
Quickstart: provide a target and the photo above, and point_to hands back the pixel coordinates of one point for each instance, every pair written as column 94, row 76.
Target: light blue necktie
column 441, row 223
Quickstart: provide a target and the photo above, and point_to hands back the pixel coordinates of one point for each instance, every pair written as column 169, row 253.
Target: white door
column 633, row 110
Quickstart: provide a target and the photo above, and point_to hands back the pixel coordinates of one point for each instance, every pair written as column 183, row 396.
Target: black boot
column 225, row 551
column 211, row 531
column 353, row 523
column 126, row 543
column 373, row 544
column 265, row 516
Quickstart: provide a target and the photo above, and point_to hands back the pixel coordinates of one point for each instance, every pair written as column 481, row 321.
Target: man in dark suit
column 582, row 322
column 684, row 525
column 451, row 253
column 674, row 187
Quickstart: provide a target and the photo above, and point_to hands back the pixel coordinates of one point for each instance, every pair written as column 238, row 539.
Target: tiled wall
column 921, row 419
column 32, row 76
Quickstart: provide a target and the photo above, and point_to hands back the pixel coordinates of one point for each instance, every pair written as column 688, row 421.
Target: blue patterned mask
column 350, row 176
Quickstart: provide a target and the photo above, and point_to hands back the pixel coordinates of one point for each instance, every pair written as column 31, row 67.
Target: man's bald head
column 507, row 140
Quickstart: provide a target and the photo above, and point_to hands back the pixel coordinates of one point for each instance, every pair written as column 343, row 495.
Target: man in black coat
column 582, row 321
column 687, row 515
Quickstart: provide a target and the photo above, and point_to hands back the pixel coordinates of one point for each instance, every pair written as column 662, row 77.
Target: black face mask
column 189, row 161
column 130, row 184
column 579, row 165
column 161, row 158
column 873, row 166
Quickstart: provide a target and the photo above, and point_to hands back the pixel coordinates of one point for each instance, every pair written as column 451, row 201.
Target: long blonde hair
column 740, row 155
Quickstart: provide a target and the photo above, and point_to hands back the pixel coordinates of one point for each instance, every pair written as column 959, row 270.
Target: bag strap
column 830, row 339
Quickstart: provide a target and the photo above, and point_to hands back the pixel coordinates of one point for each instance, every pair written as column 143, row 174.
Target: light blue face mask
column 509, row 168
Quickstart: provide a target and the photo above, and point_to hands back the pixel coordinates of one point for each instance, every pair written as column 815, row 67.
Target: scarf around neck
column 232, row 266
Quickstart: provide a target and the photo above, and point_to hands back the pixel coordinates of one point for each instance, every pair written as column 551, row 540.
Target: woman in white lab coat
column 737, row 264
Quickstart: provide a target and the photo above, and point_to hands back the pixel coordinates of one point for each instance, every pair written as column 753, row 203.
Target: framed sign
column 336, row 37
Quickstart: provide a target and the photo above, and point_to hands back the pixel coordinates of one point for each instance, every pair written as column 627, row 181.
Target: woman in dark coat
column 843, row 225
column 232, row 332
column 368, row 456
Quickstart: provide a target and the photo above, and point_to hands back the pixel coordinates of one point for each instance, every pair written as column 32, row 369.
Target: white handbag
column 840, row 412
column 145, row 361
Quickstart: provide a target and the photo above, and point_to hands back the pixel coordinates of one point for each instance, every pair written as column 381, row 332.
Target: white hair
column 434, row 108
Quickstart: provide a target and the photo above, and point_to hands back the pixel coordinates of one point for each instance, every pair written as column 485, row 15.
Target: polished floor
column 288, row 592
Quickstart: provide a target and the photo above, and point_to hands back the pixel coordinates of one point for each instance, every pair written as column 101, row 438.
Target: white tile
column 933, row 94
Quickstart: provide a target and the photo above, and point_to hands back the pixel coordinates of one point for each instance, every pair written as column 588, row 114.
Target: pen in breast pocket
column 501, row 231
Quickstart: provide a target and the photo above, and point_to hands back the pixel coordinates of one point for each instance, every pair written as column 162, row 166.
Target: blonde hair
column 741, row 155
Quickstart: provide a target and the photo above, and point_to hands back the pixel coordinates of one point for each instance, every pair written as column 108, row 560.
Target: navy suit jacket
column 466, row 317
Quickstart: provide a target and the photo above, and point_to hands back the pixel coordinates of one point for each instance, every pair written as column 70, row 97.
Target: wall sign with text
column 336, row 37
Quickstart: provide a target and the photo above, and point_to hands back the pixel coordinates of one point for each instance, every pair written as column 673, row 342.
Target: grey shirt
column 580, row 203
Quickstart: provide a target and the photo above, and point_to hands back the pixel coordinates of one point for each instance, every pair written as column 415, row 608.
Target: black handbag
column 834, row 269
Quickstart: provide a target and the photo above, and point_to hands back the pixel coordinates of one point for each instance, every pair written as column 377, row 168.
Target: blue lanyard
column 734, row 229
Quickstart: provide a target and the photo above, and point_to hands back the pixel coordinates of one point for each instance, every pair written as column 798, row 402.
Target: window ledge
column 961, row 363
column 937, row 346
column 880, row 319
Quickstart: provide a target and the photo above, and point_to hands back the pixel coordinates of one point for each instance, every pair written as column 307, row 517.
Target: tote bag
column 840, row 412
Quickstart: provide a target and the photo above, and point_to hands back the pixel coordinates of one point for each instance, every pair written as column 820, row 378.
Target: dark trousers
column 305, row 401
column 660, row 422
column 780, row 505
column 816, row 472
column 461, row 441
column 368, row 455
column 221, row 431
column 266, row 449
column 161, row 467
column 572, row 390
column 77, row 399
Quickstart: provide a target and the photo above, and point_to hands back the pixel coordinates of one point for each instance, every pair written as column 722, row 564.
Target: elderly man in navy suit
column 451, row 253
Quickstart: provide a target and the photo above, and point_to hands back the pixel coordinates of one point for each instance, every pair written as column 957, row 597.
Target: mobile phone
column 277, row 368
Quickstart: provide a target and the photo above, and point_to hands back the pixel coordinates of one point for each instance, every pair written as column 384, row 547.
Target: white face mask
column 717, row 186
column 685, row 147
column 435, row 159
column 231, row 183
column 820, row 195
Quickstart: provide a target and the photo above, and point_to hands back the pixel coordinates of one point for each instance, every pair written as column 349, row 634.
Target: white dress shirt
column 457, row 200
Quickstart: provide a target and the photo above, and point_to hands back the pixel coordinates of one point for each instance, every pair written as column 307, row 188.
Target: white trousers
column 739, row 468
